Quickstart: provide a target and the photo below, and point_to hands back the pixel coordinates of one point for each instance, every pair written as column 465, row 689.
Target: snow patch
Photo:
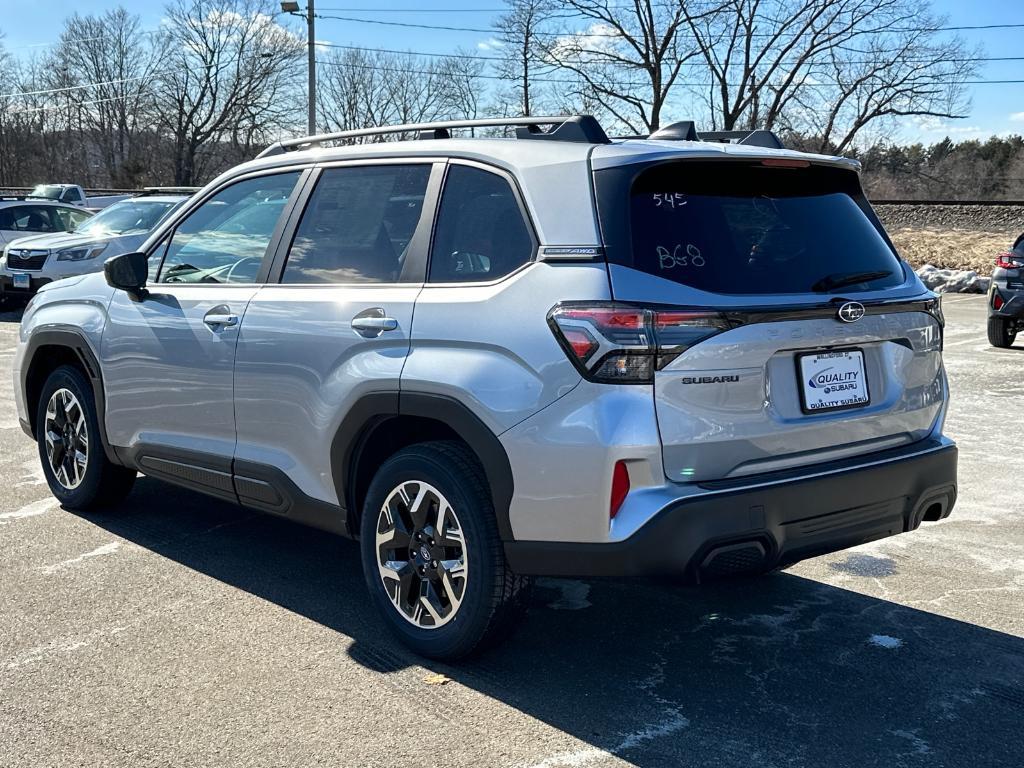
column 953, row 280
column 589, row 755
column 885, row 641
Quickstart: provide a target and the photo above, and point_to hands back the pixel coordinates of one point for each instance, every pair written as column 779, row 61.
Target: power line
column 698, row 64
column 74, row 87
column 489, row 30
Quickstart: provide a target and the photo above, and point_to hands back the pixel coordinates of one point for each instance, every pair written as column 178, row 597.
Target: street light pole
column 292, row 7
column 311, row 46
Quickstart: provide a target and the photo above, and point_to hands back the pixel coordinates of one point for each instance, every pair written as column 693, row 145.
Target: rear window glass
column 739, row 228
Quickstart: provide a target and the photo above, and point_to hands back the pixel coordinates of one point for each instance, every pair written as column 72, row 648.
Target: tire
column 999, row 333
column 86, row 485
column 486, row 596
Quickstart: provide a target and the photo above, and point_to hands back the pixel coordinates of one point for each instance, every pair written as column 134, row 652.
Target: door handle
column 373, row 322
column 220, row 317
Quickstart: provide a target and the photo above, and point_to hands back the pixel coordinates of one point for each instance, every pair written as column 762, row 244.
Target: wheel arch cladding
column 47, row 351
column 382, row 423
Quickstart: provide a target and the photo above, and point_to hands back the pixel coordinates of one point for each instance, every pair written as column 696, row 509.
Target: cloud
column 934, row 124
column 490, row 44
column 1017, row 117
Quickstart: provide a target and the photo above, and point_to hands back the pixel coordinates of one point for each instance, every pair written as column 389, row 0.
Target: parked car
column 20, row 217
column 488, row 359
column 1006, row 297
column 70, row 194
column 29, row 263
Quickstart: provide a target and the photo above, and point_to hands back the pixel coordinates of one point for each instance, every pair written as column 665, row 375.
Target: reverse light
column 620, row 488
column 625, row 344
column 1009, row 261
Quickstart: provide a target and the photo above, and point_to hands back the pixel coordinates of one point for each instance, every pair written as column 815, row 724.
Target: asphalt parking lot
column 182, row 631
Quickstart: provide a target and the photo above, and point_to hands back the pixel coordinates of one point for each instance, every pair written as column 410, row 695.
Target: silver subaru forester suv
column 492, row 358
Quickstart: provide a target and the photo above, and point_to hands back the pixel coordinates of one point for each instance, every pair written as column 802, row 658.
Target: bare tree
column 228, row 75
column 112, row 65
column 359, row 88
column 521, row 31
column 837, row 63
column 629, row 57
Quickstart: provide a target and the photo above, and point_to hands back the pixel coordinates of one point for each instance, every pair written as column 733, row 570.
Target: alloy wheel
column 67, row 438
column 421, row 554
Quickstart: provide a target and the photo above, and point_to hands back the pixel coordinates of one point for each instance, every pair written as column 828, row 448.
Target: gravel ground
column 1006, row 219
column 182, row 631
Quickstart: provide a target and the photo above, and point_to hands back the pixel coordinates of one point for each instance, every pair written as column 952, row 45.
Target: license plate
column 22, row 281
column 830, row 381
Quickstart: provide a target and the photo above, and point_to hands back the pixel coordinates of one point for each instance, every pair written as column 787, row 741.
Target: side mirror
column 128, row 273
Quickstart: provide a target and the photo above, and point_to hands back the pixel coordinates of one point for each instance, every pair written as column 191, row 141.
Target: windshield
column 47, row 191
column 127, row 217
column 743, row 229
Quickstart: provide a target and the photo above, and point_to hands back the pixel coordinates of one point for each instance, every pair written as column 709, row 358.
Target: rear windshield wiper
column 843, row 279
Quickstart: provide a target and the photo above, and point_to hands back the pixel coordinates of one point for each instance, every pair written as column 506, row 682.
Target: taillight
column 1009, row 261
column 620, row 488
column 626, row 344
column 997, row 301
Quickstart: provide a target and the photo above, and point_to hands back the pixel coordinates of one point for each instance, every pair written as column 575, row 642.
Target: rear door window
column 35, row 218
column 359, row 225
column 746, row 229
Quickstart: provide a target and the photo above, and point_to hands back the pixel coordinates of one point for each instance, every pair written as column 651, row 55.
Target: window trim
column 517, row 194
column 161, row 239
column 414, row 271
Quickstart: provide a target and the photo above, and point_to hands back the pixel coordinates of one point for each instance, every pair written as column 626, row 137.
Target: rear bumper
column 1013, row 308
column 751, row 529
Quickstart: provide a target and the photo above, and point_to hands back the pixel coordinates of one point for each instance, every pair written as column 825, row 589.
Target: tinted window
column 481, row 234
column 737, row 228
column 35, row 218
column 358, row 225
column 226, row 238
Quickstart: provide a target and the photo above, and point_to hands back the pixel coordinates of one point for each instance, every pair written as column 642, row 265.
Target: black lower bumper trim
column 8, row 290
column 756, row 529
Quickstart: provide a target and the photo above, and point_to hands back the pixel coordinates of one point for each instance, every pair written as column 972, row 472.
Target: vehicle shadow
column 772, row 671
column 10, row 312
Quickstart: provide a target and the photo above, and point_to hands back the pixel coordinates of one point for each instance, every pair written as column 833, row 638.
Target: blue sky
column 29, row 25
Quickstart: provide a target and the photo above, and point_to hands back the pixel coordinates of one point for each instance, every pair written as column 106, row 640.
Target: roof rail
column 685, row 130
column 575, row 128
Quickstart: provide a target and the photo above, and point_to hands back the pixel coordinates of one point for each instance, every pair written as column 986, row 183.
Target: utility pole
column 292, row 7
column 311, row 46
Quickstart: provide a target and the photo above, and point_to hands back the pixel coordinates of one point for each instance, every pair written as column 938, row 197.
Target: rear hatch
column 808, row 340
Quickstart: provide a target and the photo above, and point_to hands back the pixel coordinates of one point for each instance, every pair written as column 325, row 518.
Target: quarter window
column 71, row 218
column 481, row 234
column 226, row 238
column 359, row 225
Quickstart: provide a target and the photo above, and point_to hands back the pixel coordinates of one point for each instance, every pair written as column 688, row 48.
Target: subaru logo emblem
column 851, row 312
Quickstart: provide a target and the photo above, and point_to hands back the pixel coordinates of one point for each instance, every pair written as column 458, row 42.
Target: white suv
column 492, row 358
column 35, row 260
